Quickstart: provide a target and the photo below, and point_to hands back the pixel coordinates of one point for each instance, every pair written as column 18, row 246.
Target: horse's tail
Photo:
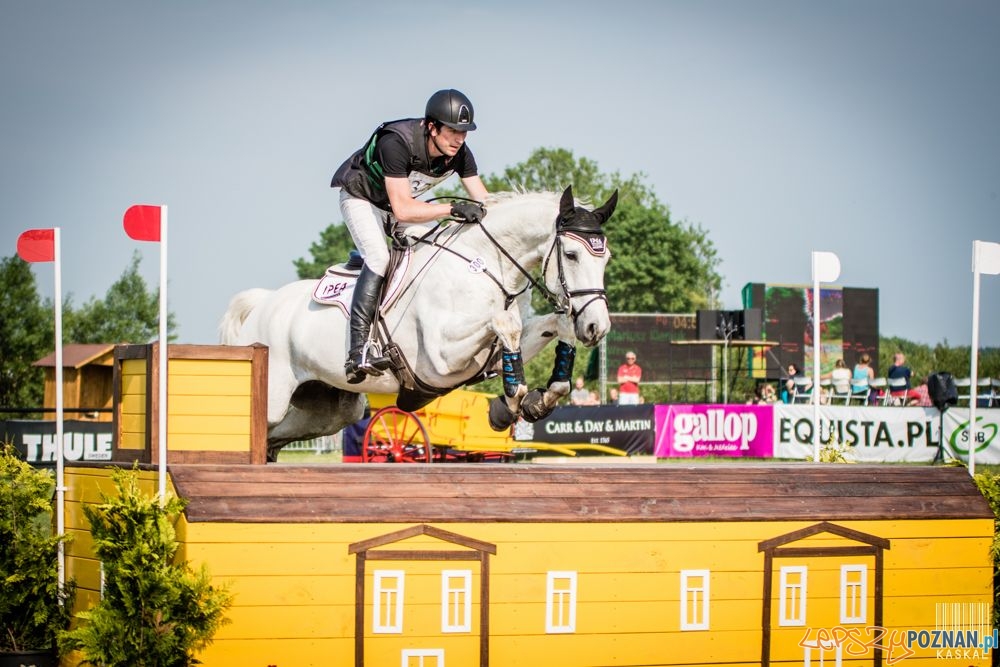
column 239, row 308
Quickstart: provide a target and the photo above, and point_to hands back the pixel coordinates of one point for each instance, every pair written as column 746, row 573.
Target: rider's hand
column 468, row 211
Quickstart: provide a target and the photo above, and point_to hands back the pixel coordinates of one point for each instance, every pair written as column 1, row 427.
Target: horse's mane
column 518, row 194
column 500, row 198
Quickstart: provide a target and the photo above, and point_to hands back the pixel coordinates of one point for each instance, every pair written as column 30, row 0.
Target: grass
column 308, row 457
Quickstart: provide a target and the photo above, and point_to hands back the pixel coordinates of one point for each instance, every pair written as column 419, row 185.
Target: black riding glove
column 468, row 211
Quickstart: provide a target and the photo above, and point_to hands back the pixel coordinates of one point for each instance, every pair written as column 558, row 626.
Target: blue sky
column 869, row 129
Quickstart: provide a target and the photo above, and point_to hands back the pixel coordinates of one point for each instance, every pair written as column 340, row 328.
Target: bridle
column 560, row 302
column 599, row 293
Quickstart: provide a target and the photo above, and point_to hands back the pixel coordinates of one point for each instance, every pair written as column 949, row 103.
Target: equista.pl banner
column 868, row 434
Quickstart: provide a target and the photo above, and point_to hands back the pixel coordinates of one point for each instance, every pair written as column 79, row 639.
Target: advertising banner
column 36, row 440
column 625, row 427
column 714, row 430
column 956, row 434
column 879, row 434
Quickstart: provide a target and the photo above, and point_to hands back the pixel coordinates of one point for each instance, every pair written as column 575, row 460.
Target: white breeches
column 366, row 224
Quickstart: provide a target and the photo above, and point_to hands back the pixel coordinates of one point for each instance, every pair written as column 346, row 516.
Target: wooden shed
column 87, row 380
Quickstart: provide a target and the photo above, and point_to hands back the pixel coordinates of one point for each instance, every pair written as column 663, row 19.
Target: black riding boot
column 367, row 293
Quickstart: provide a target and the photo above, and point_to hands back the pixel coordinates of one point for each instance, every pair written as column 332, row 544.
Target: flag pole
column 816, row 360
column 162, row 411
column 985, row 259
column 60, row 445
column 144, row 222
column 974, row 360
column 825, row 269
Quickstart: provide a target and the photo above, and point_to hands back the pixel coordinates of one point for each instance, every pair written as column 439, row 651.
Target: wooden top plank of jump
column 575, row 493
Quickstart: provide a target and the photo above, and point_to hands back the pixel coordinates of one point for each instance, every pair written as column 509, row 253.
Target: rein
column 561, row 305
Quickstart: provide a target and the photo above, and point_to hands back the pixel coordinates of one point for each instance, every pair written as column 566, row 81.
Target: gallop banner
column 714, row 430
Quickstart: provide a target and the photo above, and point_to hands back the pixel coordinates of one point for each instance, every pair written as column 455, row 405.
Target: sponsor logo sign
column 714, row 430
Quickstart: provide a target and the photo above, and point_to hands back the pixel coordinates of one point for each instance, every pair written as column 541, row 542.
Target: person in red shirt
column 629, row 376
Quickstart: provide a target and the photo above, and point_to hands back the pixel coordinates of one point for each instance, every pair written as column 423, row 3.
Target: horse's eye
column 571, row 255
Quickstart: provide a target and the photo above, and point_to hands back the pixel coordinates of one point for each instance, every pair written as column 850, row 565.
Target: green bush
column 989, row 486
column 33, row 608
column 154, row 611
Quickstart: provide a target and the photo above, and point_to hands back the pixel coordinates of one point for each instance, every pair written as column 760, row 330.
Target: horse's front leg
column 505, row 408
column 539, row 403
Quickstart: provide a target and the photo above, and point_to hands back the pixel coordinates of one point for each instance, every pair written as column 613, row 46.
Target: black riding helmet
column 451, row 108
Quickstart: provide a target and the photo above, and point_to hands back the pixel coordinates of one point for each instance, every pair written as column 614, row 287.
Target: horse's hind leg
column 315, row 409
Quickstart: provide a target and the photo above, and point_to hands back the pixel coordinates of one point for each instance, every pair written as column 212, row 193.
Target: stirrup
column 360, row 366
column 372, row 359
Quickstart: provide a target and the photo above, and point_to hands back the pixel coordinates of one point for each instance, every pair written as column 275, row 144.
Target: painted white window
column 792, row 591
column 560, row 602
column 853, row 593
column 456, row 601
column 824, row 651
column 694, row 599
column 417, row 657
column 387, row 615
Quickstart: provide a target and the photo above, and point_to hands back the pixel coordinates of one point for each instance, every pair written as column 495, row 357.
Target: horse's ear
column 566, row 206
column 605, row 211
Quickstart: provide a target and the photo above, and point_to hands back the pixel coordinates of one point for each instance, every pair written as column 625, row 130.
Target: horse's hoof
column 533, row 406
column 501, row 417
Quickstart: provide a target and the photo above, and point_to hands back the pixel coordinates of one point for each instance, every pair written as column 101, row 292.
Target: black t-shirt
column 399, row 151
column 394, row 155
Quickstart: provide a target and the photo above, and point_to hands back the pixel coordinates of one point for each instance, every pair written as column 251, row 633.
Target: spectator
column 920, row 396
column 840, row 378
column 629, row 376
column 900, row 371
column 861, row 379
column 863, row 374
column 612, row 396
column 593, row 399
column 794, row 373
column 579, row 395
column 764, row 394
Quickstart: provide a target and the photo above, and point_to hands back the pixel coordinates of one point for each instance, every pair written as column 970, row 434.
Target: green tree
column 657, row 264
column 334, row 246
column 129, row 313
column 26, row 335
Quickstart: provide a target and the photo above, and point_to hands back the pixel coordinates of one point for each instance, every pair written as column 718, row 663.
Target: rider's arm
column 407, row 209
column 474, row 186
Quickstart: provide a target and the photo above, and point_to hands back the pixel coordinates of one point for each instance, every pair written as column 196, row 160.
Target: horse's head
column 576, row 274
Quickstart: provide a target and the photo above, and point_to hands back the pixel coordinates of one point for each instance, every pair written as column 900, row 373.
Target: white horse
column 464, row 314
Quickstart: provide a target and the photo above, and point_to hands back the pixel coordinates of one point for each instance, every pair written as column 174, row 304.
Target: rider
column 379, row 184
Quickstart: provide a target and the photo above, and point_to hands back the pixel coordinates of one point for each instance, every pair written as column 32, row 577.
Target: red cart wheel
column 396, row 436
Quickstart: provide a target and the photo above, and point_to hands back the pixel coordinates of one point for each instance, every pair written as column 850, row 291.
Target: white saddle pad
column 336, row 287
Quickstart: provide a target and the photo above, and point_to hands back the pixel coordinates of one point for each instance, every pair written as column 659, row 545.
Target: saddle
column 336, row 289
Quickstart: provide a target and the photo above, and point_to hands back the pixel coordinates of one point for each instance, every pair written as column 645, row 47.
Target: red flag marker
column 142, row 222
column 37, row 245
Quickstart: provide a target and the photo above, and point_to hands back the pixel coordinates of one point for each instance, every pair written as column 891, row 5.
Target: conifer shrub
column 33, row 607
column 155, row 610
